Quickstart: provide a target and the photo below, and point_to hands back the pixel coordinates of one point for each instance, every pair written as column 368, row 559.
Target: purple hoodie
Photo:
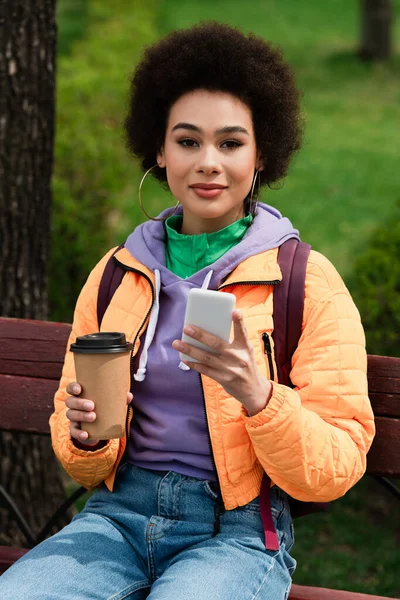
column 169, row 428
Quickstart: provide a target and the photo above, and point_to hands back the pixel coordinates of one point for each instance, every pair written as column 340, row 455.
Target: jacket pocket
column 267, row 349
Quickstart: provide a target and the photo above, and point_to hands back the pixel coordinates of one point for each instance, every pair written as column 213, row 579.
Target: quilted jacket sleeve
column 88, row 468
column 313, row 440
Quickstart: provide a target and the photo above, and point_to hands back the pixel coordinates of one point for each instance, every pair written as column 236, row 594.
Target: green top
column 187, row 254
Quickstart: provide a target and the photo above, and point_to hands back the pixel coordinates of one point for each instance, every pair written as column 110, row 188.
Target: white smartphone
column 211, row 311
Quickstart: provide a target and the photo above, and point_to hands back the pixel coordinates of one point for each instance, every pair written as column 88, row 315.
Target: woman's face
column 209, row 143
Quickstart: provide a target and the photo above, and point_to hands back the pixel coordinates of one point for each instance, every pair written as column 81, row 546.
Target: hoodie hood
column 268, row 230
column 147, row 245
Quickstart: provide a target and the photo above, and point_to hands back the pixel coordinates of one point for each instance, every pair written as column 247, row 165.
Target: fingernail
column 88, row 405
column 189, row 330
column 76, row 389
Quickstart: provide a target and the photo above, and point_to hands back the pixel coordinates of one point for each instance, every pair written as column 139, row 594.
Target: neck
column 194, row 225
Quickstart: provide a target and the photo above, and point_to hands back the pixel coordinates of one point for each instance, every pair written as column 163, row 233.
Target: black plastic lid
column 101, row 343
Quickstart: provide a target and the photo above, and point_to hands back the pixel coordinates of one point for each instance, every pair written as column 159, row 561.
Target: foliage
column 73, row 15
column 92, row 170
column 347, row 165
column 375, row 285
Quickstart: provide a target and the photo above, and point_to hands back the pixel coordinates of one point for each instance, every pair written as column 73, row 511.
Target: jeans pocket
column 122, row 467
column 252, row 506
column 290, row 539
column 208, row 486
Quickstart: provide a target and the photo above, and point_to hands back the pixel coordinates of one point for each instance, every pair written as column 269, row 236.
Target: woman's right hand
column 81, row 410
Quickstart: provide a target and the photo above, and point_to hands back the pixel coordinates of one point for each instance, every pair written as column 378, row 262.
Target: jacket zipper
column 127, row 429
column 273, row 282
column 221, row 287
column 208, row 428
column 219, row 507
column 268, row 351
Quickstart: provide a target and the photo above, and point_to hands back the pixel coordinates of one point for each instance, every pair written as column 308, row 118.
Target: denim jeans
column 153, row 538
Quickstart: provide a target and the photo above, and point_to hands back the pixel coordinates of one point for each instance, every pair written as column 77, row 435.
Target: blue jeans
column 153, row 538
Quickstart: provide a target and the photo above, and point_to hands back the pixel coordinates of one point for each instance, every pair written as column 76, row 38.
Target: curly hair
column 216, row 57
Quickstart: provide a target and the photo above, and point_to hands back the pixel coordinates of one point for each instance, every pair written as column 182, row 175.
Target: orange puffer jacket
column 311, row 440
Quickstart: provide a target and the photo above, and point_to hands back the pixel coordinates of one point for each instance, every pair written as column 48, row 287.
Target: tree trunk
column 376, row 23
column 29, row 470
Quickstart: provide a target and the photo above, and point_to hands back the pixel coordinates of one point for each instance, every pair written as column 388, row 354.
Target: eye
column 231, row 144
column 187, row 143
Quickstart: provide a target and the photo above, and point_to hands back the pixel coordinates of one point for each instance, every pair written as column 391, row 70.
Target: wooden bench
column 31, row 358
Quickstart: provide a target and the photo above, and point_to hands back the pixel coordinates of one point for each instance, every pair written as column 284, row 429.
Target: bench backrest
column 32, row 355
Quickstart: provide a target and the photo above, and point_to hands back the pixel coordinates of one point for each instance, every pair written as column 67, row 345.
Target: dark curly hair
column 216, row 57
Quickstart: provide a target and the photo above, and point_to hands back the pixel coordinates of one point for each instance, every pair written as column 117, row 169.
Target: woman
column 214, row 114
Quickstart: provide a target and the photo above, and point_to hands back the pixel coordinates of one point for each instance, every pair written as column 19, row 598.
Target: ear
column 160, row 158
column 259, row 163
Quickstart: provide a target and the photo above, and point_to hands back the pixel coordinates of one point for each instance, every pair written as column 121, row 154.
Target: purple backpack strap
column 288, row 318
column 289, row 304
column 110, row 280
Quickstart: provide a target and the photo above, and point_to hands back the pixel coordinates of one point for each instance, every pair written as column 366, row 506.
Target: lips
column 208, row 186
column 213, row 192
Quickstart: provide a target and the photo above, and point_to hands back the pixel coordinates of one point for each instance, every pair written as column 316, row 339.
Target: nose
column 209, row 161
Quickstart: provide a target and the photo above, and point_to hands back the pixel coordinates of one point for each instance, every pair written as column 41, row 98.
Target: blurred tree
column 29, row 470
column 376, row 22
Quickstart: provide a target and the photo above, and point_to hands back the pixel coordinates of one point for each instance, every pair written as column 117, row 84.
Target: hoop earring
column 251, row 209
column 141, row 203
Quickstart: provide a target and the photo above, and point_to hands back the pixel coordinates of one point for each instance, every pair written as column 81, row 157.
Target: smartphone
column 211, row 311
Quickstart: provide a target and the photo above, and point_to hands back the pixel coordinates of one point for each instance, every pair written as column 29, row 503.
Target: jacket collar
column 262, row 268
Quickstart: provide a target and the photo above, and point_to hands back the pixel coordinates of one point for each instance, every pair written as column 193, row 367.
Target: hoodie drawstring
column 140, row 374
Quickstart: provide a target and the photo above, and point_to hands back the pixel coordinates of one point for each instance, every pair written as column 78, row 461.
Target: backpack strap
column 110, row 280
column 288, row 305
column 288, row 318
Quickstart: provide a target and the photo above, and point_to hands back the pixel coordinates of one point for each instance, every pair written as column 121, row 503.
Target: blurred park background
column 342, row 193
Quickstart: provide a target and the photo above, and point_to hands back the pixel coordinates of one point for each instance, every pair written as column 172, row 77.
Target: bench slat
column 384, row 366
column 9, row 556
column 34, row 406
column 30, row 329
column 383, row 385
column 300, row 592
column 385, row 405
column 32, row 348
column 48, row 370
column 384, row 456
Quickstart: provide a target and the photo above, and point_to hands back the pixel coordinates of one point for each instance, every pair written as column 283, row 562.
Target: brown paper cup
column 105, row 379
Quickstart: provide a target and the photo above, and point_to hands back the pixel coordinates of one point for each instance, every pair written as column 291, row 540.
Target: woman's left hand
column 232, row 365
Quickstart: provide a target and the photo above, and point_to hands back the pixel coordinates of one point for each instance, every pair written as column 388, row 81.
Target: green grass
column 340, row 186
column 354, row 546
column 343, row 182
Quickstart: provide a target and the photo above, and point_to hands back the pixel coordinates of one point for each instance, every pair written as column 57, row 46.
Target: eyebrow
column 227, row 129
